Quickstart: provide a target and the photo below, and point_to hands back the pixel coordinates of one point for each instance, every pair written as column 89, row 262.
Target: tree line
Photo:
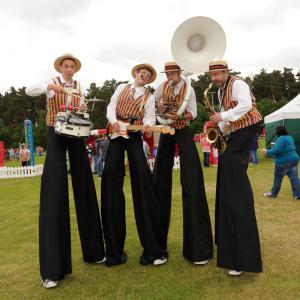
column 271, row 89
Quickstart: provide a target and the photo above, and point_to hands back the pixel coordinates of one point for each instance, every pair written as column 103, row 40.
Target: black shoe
column 113, row 262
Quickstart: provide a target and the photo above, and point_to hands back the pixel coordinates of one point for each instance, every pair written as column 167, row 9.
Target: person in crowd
column 286, row 161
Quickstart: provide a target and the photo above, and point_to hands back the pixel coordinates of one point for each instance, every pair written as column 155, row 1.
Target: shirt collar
column 137, row 88
column 62, row 80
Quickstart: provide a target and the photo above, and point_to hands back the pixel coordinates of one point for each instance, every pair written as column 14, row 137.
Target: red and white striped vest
column 61, row 99
column 251, row 117
column 127, row 106
column 169, row 96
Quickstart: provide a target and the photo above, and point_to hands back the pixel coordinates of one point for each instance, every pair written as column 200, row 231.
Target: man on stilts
column 54, row 219
column 236, row 228
column 197, row 234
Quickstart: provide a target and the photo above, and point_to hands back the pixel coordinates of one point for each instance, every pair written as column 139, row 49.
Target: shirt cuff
column 225, row 115
column 112, row 120
column 49, row 94
column 149, row 122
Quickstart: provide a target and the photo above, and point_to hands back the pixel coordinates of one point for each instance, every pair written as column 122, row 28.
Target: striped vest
column 127, row 106
column 251, row 117
column 169, row 96
column 61, row 99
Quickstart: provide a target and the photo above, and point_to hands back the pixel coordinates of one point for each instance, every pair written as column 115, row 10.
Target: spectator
column 17, row 153
column 286, row 163
column 146, row 149
column 205, row 146
column 103, row 148
column 90, row 154
column 253, row 150
column 155, row 151
column 24, row 155
column 11, row 154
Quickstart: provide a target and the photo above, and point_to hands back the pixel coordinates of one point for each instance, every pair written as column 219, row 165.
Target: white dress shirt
column 38, row 89
column 241, row 94
column 149, row 107
column 192, row 104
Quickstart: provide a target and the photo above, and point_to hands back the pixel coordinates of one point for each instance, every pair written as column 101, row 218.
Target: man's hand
column 172, row 116
column 215, row 118
column 116, row 127
column 148, row 131
column 161, row 106
column 57, row 88
column 83, row 107
column 263, row 151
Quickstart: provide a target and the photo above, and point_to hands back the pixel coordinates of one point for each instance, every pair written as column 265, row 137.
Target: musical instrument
column 73, row 93
column 195, row 42
column 72, row 124
column 213, row 134
column 71, row 121
column 179, row 108
column 125, row 127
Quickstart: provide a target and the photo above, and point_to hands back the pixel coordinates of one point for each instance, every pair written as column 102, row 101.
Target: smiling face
column 219, row 77
column 142, row 77
column 67, row 68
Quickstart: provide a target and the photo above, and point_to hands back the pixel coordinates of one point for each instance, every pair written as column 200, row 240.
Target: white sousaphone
column 195, row 42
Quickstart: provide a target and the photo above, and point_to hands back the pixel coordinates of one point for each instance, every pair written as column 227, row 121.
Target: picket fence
column 20, row 172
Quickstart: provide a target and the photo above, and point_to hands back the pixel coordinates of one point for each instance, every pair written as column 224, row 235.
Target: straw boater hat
column 171, row 66
column 70, row 56
column 218, row 65
column 145, row 66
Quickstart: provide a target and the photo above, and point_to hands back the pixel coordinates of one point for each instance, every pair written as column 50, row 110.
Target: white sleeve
column 39, row 89
column 192, row 104
column 241, row 94
column 158, row 94
column 149, row 112
column 111, row 108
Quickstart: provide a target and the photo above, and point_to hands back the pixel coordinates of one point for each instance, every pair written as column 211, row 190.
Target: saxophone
column 213, row 135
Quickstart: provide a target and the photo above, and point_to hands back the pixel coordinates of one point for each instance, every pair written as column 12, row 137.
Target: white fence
column 20, row 172
column 176, row 165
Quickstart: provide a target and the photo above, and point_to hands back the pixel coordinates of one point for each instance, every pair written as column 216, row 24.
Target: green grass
column 279, row 226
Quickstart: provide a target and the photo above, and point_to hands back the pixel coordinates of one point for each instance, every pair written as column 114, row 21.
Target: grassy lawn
column 279, row 226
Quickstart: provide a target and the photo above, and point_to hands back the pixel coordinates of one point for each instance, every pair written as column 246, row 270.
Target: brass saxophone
column 213, row 135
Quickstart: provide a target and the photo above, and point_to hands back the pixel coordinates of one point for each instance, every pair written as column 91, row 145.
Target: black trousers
column 146, row 208
column 197, row 234
column 54, row 221
column 236, row 229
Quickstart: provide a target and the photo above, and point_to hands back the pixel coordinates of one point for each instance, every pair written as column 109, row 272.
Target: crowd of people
column 21, row 154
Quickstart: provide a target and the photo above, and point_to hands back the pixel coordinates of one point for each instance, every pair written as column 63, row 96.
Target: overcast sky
column 111, row 36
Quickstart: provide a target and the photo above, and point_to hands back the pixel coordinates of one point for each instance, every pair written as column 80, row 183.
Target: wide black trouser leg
column 162, row 175
column 197, row 233
column 87, row 209
column 236, row 228
column 197, row 240
column 113, row 202
column 146, row 208
column 54, row 219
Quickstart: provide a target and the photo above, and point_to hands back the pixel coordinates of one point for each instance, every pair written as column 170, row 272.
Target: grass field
column 279, row 226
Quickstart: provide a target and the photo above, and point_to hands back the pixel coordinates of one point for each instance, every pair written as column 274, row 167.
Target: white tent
column 289, row 111
column 289, row 116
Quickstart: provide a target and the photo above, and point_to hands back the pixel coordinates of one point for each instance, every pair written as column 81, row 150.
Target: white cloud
column 111, row 36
